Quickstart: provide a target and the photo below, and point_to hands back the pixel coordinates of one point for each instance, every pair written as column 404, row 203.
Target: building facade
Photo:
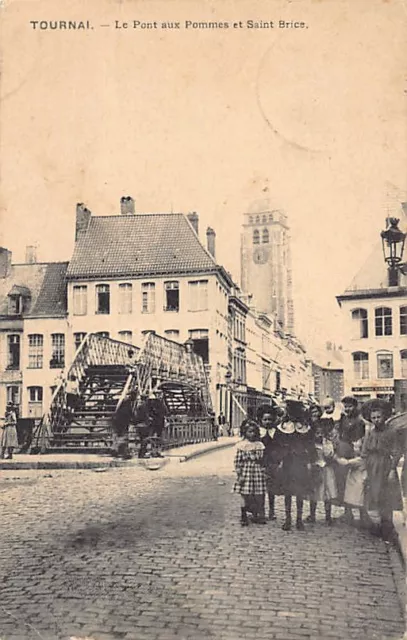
column 327, row 371
column 375, row 329
column 34, row 332
column 133, row 273
column 129, row 274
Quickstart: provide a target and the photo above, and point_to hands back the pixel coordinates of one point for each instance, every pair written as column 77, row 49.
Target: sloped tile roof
column 45, row 284
column 373, row 275
column 51, row 300
column 139, row 244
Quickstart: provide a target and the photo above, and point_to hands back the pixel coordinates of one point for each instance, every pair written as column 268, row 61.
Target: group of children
column 304, row 453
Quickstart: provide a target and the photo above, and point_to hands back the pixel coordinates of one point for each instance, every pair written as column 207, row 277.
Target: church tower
column 266, row 262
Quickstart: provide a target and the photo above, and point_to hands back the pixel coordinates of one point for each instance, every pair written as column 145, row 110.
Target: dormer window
column 15, row 305
column 18, row 300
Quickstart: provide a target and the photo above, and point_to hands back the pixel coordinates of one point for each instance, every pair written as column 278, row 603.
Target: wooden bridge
column 107, row 371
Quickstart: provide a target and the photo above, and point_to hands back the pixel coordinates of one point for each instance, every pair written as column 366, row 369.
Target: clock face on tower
column 260, row 255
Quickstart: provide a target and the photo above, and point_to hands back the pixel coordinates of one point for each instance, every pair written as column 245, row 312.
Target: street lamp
column 393, row 247
column 229, row 386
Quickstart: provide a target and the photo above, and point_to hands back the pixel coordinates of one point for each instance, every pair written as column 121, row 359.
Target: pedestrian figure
column 267, row 417
column 294, row 473
column 328, row 412
column 221, row 423
column 322, row 472
column 72, row 394
column 381, row 453
column 157, row 412
column 214, row 425
column 403, row 444
column 143, row 424
column 250, row 480
column 8, row 436
column 122, row 419
column 349, row 434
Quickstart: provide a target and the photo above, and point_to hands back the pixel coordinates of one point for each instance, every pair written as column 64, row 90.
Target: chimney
column 127, row 206
column 210, row 241
column 5, row 262
column 83, row 216
column 194, row 220
column 31, row 254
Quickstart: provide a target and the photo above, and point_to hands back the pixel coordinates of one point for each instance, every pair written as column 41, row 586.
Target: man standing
column 143, row 424
column 221, row 423
column 122, row 419
column 157, row 412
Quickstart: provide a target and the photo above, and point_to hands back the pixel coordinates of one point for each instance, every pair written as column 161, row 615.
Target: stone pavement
column 135, row 554
column 93, row 460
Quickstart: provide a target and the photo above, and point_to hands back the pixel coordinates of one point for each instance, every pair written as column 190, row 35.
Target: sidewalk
column 95, row 461
column 402, row 534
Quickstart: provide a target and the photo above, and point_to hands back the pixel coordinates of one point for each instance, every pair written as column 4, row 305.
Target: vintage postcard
column 203, row 319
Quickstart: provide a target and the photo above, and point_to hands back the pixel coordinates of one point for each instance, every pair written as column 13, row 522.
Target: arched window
column 257, row 219
column 360, row 323
column 251, row 219
column 265, row 236
column 256, row 237
column 385, row 365
column 270, row 217
column 403, row 321
column 383, row 321
column 360, row 365
column 264, row 219
column 403, row 358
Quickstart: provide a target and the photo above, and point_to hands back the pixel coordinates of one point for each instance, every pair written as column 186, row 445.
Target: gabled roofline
column 363, row 294
column 144, row 213
column 149, row 274
column 40, row 264
column 48, row 316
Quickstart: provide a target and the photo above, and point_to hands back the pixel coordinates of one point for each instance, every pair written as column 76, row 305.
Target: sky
column 205, row 120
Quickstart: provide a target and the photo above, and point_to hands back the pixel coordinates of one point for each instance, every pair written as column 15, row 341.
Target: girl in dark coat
column 268, row 417
column 298, row 452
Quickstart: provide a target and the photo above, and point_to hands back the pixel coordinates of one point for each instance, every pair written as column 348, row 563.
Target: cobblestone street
column 160, row 555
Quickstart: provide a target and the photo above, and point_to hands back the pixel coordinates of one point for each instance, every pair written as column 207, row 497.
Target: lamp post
column 229, row 384
column 393, row 247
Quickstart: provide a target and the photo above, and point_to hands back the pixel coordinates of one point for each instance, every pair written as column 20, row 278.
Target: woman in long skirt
column 8, row 438
column 381, row 453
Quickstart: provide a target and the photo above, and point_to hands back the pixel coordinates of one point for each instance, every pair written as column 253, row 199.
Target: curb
column 19, row 466
column 201, row 452
column 109, row 463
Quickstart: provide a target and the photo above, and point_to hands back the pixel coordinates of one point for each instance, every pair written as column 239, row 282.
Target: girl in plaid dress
column 251, row 480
